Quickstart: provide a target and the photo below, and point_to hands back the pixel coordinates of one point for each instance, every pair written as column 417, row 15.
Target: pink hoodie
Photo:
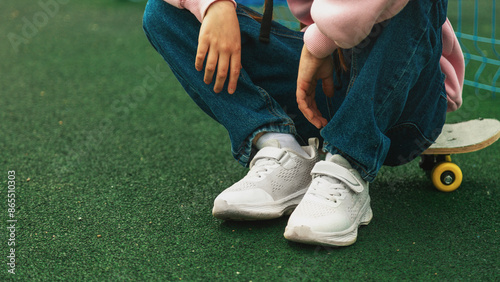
column 344, row 24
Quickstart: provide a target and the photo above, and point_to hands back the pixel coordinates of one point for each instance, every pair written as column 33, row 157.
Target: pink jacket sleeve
column 453, row 67
column 197, row 7
column 340, row 23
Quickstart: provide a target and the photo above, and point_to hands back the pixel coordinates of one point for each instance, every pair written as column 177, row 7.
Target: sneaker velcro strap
column 268, row 152
column 339, row 172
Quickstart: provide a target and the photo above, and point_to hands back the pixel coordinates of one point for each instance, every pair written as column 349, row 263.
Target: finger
column 210, row 66
column 328, row 86
column 235, row 72
column 313, row 115
column 304, row 107
column 222, row 68
column 200, row 55
column 307, row 105
column 306, row 86
column 313, row 119
column 315, row 108
column 320, row 121
column 307, row 112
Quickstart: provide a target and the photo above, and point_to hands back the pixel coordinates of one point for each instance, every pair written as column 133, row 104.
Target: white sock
column 286, row 141
column 328, row 156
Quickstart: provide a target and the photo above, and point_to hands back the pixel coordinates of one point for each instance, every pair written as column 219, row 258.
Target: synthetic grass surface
column 116, row 183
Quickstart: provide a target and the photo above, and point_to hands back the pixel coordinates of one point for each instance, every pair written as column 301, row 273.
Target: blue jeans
column 387, row 109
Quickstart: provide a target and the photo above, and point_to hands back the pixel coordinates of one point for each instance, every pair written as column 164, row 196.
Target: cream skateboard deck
column 458, row 138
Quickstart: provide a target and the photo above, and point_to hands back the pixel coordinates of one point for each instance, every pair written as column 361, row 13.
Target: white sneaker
column 335, row 204
column 277, row 181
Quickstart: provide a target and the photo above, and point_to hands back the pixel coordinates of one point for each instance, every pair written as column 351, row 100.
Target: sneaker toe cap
column 336, row 222
column 252, row 196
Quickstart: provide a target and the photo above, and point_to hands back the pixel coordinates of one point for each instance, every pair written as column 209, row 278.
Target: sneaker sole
column 304, row 234
column 242, row 212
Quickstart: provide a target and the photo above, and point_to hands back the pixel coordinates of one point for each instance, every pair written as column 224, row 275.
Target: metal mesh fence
column 475, row 24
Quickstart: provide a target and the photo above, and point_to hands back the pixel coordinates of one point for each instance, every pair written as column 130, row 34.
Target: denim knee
column 149, row 20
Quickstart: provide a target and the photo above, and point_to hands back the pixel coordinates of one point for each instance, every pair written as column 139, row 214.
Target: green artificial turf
column 117, row 184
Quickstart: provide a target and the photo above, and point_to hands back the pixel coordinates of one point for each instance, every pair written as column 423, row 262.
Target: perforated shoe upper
column 336, row 197
column 277, row 180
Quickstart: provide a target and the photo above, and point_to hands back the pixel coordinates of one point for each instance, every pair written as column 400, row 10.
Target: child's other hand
column 219, row 43
column 312, row 69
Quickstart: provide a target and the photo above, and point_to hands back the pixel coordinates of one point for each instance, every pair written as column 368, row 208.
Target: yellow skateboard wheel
column 446, row 176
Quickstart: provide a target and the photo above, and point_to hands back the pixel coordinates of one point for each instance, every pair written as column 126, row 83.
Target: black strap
column 265, row 25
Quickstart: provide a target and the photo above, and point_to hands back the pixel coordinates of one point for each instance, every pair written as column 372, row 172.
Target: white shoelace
column 261, row 167
column 328, row 188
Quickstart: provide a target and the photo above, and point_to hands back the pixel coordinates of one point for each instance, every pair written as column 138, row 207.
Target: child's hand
column 312, row 69
column 219, row 43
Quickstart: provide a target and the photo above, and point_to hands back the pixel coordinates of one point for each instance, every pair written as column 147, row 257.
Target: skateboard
column 458, row 138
